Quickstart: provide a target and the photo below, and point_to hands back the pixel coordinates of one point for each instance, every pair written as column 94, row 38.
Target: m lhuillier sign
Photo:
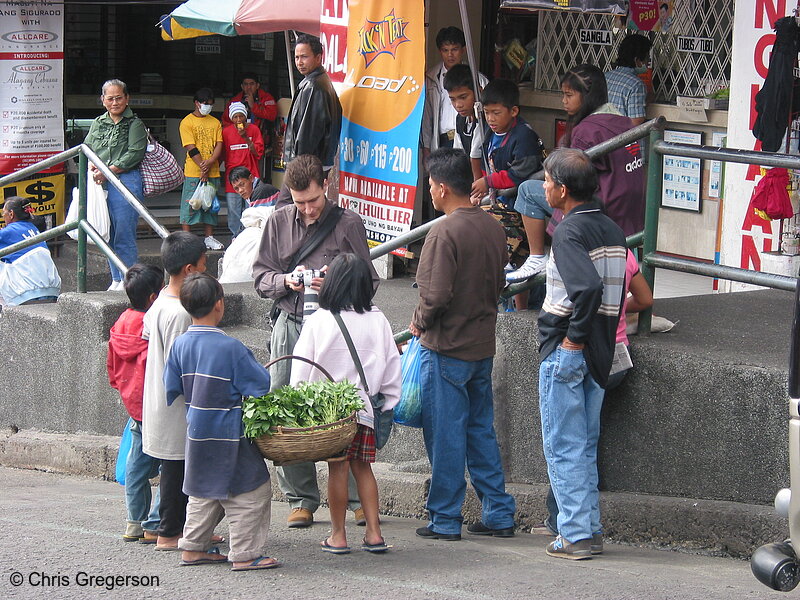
column 31, row 83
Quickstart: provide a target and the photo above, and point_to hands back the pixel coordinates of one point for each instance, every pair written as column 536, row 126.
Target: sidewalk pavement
column 60, row 531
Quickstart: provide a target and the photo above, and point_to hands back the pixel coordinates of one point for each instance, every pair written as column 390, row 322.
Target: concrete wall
column 688, row 422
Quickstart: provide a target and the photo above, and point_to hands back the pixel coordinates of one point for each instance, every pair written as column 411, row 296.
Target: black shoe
column 481, row 529
column 432, row 535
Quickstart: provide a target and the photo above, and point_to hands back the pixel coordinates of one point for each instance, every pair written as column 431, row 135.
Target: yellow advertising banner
column 47, row 194
column 382, row 106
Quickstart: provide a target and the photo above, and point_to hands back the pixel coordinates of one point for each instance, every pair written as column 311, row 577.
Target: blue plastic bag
column 124, row 450
column 408, row 411
column 214, row 206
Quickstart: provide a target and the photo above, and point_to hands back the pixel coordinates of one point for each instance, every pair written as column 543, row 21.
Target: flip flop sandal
column 205, row 560
column 258, row 564
column 376, row 548
column 326, row 547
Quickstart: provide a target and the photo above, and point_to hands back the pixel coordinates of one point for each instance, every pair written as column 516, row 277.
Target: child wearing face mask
column 201, row 137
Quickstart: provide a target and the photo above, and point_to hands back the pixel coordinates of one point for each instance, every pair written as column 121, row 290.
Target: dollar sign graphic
column 40, row 191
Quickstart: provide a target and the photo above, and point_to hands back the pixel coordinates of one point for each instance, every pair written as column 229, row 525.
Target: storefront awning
column 612, row 7
column 240, row 17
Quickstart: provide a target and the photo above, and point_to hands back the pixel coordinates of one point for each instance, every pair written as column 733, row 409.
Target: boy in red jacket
column 243, row 147
column 127, row 355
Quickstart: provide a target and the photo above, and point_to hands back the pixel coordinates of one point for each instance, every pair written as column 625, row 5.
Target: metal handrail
column 649, row 237
column 600, row 149
column 83, row 226
column 652, row 259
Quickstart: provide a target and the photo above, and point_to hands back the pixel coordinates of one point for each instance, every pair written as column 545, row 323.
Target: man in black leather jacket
column 315, row 118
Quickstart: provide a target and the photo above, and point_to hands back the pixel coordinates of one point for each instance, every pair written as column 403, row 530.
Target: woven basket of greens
column 308, row 422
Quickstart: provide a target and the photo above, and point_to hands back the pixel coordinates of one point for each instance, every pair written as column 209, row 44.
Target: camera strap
column 311, row 244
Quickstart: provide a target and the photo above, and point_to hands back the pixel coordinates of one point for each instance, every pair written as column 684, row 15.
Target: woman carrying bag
column 347, row 293
column 119, row 138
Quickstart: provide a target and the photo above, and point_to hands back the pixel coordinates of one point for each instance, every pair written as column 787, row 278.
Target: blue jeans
column 124, row 219
column 458, row 427
column 139, row 469
column 236, row 204
column 531, row 201
column 570, row 401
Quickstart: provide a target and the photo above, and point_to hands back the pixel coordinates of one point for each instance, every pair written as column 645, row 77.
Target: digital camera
column 301, row 277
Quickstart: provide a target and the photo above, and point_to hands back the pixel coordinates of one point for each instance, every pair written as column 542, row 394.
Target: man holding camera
column 306, row 235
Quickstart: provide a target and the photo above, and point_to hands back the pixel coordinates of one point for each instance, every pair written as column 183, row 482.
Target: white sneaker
column 213, row 243
column 532, row 266
column 116, row 286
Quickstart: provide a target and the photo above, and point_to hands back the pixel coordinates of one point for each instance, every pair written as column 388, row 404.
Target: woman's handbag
column 382, row 419
column 161, row 173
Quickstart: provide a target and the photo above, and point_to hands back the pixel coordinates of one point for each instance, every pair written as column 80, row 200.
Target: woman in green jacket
column 119, row 139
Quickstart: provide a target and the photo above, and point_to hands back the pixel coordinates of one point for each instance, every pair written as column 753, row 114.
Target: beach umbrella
column 240, row 17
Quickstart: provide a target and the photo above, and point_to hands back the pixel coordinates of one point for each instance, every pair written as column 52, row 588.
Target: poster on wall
column 382, row 113
column 31, row 72
column 680, row 187
column 46, row 194
column 718, row 139
column 650, row 15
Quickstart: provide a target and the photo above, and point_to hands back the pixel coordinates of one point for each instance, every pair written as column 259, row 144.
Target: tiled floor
column 672, row 284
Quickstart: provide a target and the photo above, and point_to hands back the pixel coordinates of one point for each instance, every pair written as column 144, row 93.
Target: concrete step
column 98, row 276
column 705, row 526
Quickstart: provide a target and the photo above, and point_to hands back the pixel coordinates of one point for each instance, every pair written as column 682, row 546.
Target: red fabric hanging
column 770, row 199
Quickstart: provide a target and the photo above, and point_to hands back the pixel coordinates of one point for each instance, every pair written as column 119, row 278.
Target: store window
column 123, row 41
column 691, row 58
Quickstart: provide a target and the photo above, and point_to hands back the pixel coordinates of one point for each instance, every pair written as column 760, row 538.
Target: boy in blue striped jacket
column 225, row 474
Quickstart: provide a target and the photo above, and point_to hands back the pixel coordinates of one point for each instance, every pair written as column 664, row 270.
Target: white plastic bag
column 96, row 210
column 237, row 262
column 203, row 196
column 256, row 216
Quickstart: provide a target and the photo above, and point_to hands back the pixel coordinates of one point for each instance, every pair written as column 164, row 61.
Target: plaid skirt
column 363, row 445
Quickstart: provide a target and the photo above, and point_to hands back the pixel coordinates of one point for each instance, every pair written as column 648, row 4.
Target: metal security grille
column 675, row 72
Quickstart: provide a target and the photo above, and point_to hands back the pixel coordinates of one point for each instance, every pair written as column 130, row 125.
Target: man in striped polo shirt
column 577, row 329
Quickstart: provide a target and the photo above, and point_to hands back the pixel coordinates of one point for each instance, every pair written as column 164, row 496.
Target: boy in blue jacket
column 515, row 152
column 225, row 474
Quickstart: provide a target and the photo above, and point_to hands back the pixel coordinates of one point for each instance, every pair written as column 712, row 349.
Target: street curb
column 705, row 526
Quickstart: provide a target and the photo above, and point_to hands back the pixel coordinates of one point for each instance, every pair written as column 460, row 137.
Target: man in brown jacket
column 460, row 276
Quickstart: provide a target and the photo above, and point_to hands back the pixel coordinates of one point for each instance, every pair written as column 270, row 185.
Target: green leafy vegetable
column 307, row 405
